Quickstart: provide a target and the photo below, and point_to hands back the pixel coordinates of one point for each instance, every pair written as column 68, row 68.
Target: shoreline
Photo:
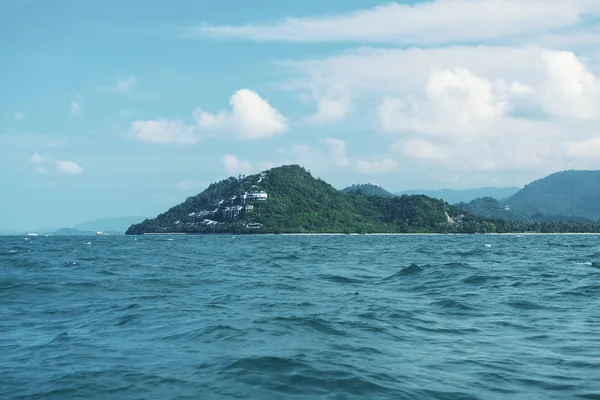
column 337, row 234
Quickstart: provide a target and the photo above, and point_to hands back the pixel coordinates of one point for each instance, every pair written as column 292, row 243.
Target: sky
column 119, row 108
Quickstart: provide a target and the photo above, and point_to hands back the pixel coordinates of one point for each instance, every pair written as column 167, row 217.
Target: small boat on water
column 99, row 233
column 33, row 234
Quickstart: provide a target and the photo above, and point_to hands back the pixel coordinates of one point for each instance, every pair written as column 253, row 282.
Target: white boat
column 33, row 234
column 99, row 233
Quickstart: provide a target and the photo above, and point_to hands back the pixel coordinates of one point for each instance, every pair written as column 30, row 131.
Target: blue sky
column 126, row 108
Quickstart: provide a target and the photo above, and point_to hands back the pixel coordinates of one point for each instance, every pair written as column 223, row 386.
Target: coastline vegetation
column 300, row 203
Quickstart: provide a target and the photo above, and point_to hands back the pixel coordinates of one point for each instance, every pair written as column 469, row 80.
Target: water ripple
column 270, row 317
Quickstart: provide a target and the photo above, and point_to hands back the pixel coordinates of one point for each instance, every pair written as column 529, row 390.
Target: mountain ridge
column 455, row 196
column 289, row 199
column 299, row 203
column 368, row 189
column 564, row 196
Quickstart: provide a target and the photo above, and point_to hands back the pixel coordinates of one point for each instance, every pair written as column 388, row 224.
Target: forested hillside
column 299, row 203
column 369, row 189
column 566, row 193
column 289, row 199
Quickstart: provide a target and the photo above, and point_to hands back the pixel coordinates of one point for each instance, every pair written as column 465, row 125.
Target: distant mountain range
column 369, row 189
column 115, row 224
column 566, row 193
column 450, row 196
column 455, row 196
column 562, row 196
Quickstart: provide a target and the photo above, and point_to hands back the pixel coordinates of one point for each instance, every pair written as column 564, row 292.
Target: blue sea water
column 300, row 317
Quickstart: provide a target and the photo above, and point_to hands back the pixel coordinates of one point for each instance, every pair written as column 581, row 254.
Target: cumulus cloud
column 434, row 21
column 68, row 168
column 572, row 90
column 337, row 151
column 39, row 161
column 235, row 166
column 384, row 166
column 45, row 165
column 165, row 131
column 251, row 117
column 469, row 109
column 454, row 101
column 330, row 109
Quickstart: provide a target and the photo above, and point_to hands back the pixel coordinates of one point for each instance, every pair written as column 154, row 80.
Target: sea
column 300, row 317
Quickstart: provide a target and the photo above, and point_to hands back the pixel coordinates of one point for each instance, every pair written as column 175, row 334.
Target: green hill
column 368, row 189
column 566, row 194
column 492, row 209
column 488, row 207
column 299, row 203
column 455, row 196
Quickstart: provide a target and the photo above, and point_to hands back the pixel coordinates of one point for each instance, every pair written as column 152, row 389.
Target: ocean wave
column 352, row 317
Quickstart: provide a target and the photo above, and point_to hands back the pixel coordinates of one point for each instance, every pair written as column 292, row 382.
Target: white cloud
column 465, row 109
column 385, row 166
column 68, row 168
column 234, row 166
column 530, row 74
column 251, row 117
column 45, row 165
column 19, row 116
column 420, row 149
column 454, row 102
column 572, row 90
column 338, row 151
column 437, row 21
column 518, row 88
column 329, row 110
column 75, row 108
column 464, row 96
column 37, row 159
column 165, row 131
column 320, row 159
column 584, row 149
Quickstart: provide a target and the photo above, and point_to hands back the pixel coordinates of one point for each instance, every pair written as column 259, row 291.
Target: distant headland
column 288, row 199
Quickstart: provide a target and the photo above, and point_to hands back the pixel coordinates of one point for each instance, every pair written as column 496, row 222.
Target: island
column 288, row 199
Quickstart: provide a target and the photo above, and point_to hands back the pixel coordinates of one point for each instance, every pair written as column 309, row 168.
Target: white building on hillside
column 232, row 212
column 253, row 196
